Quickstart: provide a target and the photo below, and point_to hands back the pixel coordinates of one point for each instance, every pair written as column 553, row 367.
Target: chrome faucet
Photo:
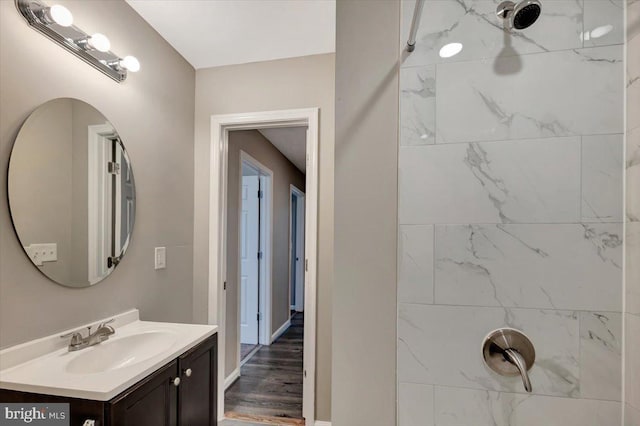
column 509, row 352
column 514, row 357
column 101, row 334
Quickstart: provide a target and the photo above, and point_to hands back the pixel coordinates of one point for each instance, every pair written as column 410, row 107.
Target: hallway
column 271, row 381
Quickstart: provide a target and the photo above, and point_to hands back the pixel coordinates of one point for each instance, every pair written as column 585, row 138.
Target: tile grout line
column 524, row 394
column 441, row 224
column 581, row 198
column 494, row 56
column 567, row 310
column 534, row 139
column 433, row 263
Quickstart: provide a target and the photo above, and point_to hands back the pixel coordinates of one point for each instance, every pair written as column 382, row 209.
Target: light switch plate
column 161, row 257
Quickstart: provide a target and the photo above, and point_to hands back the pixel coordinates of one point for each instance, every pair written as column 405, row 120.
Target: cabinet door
column 151, row 402
column 197, row 392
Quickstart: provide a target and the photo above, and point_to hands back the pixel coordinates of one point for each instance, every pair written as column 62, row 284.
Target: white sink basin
column 100, row 372
column 119, row 353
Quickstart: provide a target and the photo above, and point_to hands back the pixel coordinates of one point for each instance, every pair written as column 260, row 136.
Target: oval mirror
column 71, row 192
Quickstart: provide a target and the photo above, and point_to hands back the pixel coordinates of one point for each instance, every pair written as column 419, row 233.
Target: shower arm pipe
column 415, row 23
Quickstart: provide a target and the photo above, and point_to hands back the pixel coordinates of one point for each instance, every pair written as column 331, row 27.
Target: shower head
column 521, row 15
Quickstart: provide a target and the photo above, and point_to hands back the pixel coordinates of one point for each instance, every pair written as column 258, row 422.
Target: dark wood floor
column 270, row 383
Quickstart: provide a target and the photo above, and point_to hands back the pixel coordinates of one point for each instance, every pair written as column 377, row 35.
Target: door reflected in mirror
column 71, row 192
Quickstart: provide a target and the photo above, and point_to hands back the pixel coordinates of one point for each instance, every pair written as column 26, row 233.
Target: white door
column 249, row 263
column 299, row 302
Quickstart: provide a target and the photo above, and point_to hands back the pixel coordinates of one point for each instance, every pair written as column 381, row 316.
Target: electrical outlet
column 161, row 257
column 42, row 253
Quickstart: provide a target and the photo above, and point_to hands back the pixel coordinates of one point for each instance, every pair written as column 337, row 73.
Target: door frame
column 97, row 235
column 293, row 190
column 221, row 125
column 265, row 290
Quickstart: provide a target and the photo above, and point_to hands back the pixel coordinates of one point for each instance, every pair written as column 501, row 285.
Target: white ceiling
column 291, row 142
column 210, row 33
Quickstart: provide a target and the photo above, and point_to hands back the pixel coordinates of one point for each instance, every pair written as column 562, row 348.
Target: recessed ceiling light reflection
column 601, row 31
column 597, row 32
column 451, row 49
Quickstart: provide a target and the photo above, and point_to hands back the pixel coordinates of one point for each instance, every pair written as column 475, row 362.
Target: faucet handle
column 76, row 338
column 514, row 357
column 109, row 329
column 102, row 324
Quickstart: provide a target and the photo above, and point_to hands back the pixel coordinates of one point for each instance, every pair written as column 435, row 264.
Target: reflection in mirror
column 71, row 192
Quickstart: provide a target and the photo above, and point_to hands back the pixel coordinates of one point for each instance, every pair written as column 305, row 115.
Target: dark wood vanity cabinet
column 197, row 402
column 181, row 393
column 153, row 401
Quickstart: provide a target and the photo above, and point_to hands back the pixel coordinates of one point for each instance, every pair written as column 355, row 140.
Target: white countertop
column 50, row 374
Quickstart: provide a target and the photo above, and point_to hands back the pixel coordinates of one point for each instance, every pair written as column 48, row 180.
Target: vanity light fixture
column 56, row 22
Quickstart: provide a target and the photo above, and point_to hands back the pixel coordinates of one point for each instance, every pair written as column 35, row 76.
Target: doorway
column 221, row 127
column 266, row 382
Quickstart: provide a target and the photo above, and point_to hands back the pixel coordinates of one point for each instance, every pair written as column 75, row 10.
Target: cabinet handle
column 188, row 372
column 176, row 381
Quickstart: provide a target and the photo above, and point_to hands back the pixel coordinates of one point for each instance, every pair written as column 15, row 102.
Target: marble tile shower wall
column 632, row 241
column 511, row 214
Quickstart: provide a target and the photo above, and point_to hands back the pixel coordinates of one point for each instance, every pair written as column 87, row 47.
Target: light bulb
column 99, row 42
column 130, row 63
column 451, row 49
column 60, row 15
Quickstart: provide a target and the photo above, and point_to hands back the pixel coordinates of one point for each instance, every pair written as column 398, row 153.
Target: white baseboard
column 249, row 356
column 235, row 374
column 279, row 332
column 321, row 423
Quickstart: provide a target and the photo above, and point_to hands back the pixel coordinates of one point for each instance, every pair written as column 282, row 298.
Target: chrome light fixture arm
column 59, row 28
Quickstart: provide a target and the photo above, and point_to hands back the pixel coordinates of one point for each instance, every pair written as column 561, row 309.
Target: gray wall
column 510, row 215
column 632, row 267
column 364, row 302
column 284, row 175
column 153, row 111
column 264, row 86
